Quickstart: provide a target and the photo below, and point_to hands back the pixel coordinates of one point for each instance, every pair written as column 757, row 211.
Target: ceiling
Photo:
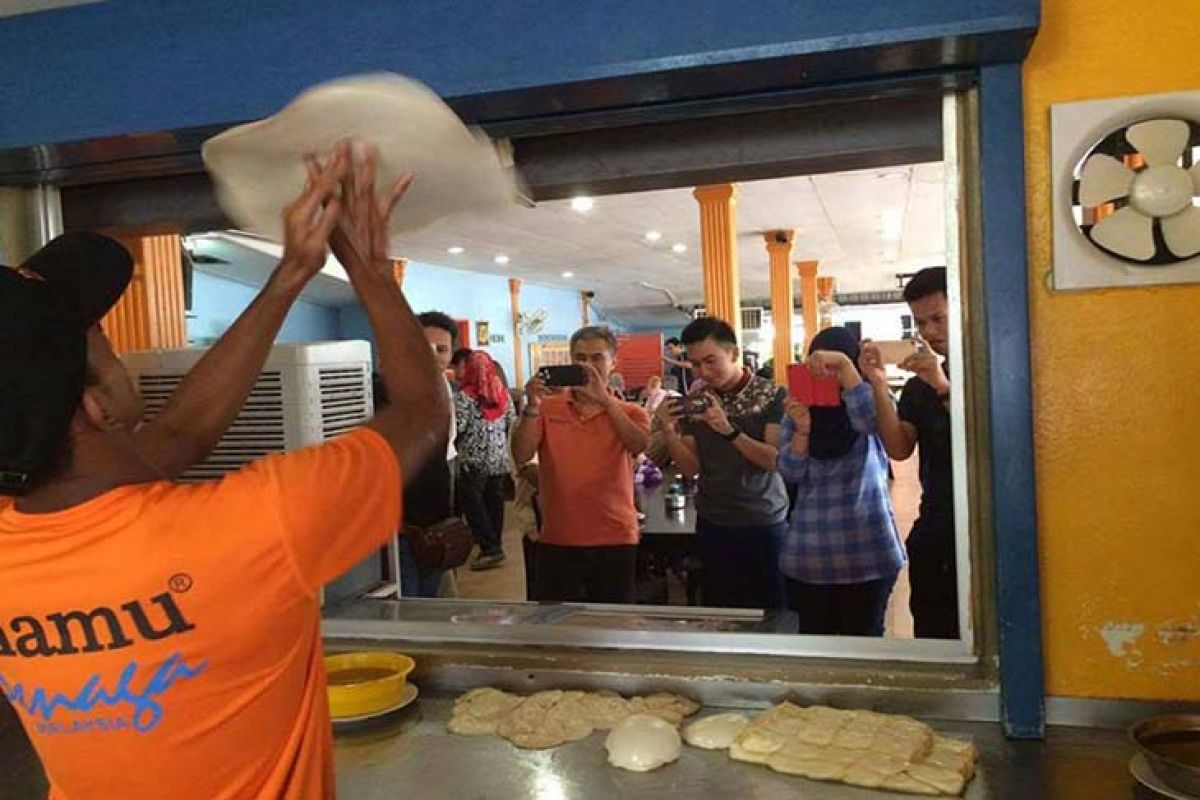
column 11, row 8
column 864, row 227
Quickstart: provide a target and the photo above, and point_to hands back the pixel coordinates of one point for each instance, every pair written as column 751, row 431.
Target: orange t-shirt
column 163, row 640
column 585, row 476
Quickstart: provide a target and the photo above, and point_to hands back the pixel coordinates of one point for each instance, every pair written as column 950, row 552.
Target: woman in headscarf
column 842, row 551
column 484, row 412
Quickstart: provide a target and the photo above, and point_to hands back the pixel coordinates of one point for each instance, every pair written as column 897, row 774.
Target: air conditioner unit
column 306, row 394
column 753, row 318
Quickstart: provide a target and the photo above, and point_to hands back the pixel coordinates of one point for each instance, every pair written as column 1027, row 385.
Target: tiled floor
column 508, row 581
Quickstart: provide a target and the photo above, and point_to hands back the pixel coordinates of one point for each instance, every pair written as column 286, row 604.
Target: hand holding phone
column 560, row 375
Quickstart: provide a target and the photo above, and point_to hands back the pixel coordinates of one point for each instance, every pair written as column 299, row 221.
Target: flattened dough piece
column 479, row 711
column 906, row 783
column 717, row 732
column 605, row 709
column 946, row 781
column 666, row 706
column 755, row 744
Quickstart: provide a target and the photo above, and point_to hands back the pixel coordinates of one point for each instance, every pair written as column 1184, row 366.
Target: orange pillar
column 779, row 251
column 514, row 292
column 718, row 237
column 586, row 304
column 808, row 299
column 398, row 267
column 825, row 289
column 150, row 314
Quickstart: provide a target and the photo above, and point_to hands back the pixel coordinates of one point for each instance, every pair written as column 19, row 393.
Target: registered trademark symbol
column 180, row 582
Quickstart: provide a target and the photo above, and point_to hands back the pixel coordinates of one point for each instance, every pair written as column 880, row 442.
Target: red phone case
column 812, row 391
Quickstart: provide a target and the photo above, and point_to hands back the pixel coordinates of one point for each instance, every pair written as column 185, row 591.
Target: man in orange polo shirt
column 162, row 640
column 586, row 440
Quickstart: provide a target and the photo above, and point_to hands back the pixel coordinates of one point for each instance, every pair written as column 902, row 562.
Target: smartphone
column 563, row 375
column 811, row 390
column 693, row 405
column 895, row 352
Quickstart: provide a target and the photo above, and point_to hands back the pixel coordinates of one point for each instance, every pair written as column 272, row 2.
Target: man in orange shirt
column 586, row 440
column 161, row 640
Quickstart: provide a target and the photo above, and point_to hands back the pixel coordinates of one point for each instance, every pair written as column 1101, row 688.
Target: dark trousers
column 529, row 551
column 850, row 609
column 481, row 501
column 585, row 574
column 740, row 565
column 933, row 573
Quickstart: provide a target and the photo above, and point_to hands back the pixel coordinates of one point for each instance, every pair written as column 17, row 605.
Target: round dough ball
column 716, row 732
column 640, row 743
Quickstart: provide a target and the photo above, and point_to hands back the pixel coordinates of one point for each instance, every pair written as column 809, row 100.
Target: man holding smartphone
column 728, row 436
column 586, row 439
column 923, row 418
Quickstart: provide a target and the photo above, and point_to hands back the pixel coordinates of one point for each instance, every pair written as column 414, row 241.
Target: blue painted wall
column 127, row 66
column 477, row 298
column 217, row 302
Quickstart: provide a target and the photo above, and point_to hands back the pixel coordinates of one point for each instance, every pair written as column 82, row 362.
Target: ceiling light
column 454, row 251
column 568, row 274
column 501, row 259
column 582, row 203
column 679, row 247
column 653, row 236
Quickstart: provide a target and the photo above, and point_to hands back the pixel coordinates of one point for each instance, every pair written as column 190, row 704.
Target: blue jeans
column 415, row 580
column 741, row 565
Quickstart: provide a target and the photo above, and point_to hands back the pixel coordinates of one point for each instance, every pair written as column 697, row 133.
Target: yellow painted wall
column 1116, row 393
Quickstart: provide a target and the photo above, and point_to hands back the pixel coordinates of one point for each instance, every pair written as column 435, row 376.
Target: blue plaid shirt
column 842, row 529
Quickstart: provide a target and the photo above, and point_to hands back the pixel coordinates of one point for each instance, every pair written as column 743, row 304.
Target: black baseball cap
column 47, row 306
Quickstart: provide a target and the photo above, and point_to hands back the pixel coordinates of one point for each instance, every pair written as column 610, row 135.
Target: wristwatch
column 733, row 434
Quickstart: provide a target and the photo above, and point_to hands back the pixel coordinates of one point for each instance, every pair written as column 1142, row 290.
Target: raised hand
column 311, row 218
column 716, row 418
column 360, row 240
column 870, row 362
column 798, row 413
column 928, row 368
column 535, row 392
column 595, row 390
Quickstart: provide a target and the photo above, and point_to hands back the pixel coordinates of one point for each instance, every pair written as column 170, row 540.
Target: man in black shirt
column 923, row 418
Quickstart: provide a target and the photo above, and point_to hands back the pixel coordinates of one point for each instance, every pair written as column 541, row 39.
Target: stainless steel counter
column 413, row 756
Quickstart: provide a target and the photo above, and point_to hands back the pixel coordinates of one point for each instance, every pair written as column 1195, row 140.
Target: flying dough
column 642, row 742
column 258, row 168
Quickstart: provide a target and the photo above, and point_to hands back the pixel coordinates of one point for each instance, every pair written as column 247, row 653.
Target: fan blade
column 1103, row 178
column 1196, row 178
column 1161, row 141
column 1127, row 232
column 1182, row 232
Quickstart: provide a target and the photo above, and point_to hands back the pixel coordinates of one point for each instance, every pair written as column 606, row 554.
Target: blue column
column 1014, row 507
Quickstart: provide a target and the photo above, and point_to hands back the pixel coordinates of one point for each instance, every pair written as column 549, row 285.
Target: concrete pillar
column 779, row 250
column 718, row 237
column 808, row 299
column 514, row 292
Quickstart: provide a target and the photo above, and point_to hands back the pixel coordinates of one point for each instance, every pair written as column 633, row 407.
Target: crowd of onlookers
column 793, row 503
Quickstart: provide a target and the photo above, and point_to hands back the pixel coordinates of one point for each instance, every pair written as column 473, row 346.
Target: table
column 667, row 539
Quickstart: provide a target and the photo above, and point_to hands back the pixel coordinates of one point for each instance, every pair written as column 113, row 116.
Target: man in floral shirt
column 741, row 504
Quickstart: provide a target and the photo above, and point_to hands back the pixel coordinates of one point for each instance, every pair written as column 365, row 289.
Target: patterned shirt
column 482, row 446
column 842, row 528
column 734, row 492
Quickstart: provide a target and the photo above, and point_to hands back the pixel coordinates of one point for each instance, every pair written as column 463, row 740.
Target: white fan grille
column 258, row 430
column 344, row 399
